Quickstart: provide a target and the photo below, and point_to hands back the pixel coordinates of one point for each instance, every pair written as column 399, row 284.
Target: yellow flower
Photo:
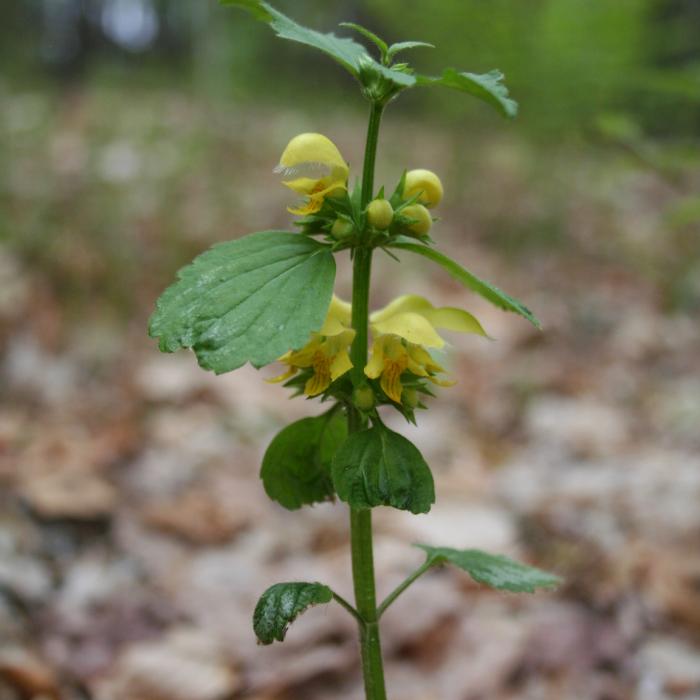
column 317, row 169
column 326, row 352
column 401, row 332
column 424, row 183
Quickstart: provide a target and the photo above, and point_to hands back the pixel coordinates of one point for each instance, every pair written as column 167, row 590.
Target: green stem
column 402, row 587
column 344, row 603
column 361, row 520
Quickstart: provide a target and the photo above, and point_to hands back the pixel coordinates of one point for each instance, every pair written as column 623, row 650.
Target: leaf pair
column 282, row 603
column 312, row 459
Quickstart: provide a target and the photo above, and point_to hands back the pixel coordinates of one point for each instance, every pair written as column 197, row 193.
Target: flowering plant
column 268, row 297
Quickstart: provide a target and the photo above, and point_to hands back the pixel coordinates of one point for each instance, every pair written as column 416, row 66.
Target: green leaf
column 378, row 467
column 248, row 300
column 346, row 51
column 379, row 43
column 488, row 87
column 281, row 604
column 296, row 466
column 493, row 570
column 468, row 279
column 405, row 46
column 351, row 55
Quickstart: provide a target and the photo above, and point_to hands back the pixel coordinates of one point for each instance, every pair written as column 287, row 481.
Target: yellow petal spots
column 424, row 183
column 317, row 168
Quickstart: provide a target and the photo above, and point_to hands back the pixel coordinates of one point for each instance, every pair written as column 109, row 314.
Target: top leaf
column 346, row 51
column 351, row 55
column 248, row 300
column 488, row 87
column 493, row 570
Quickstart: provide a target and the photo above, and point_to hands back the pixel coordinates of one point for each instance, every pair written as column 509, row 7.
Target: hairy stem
column 361, row 520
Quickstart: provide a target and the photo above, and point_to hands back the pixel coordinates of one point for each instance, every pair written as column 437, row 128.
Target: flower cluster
column 403, row 332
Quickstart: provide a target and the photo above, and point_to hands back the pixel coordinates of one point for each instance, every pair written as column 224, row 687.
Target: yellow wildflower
column 317, row 167
column 402, row 330
column 326, row 352
column 424, row 183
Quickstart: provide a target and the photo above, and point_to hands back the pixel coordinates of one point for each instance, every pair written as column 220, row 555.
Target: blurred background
column 135, row 536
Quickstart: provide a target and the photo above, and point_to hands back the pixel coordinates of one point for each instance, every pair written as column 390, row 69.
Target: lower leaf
column 281, row 604
column 493, row 570
column 296, row 466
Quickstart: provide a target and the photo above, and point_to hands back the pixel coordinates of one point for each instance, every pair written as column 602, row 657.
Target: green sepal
column 248, row 300
column 281, row 604
column 378, row 467
column 405, row 46
column 296, row 467
column 492, row 570
column 468, row 279
column 487, row 87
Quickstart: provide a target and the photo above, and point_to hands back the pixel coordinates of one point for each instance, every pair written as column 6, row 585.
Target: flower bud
column 409, row 397
column 363, row 398
column 424, row 183
column 423, row 221
column 342, row 228
column 380, row 213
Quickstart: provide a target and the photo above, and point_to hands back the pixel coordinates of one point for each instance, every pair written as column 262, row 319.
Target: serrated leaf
column 493, row 570
column 296, row 466
column 281, row 604
column 405, row 46
column 248, row 300
column 346, row 51
column 468, row 279
column 488, row 87
column 351, row 55
column 378, row 467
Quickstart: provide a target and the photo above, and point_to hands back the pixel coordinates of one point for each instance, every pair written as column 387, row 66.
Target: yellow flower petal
column 412, row 327
column 282, row 377
column 424, row 183
column 301, row 185
column 374, row 367
column 340, row 364
column 391, row 382
column 314, row 150
column 338, row 318
column 453, row 319
column 423, row 358
column 317, row 384
column 406, row 302
column 442, row 382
